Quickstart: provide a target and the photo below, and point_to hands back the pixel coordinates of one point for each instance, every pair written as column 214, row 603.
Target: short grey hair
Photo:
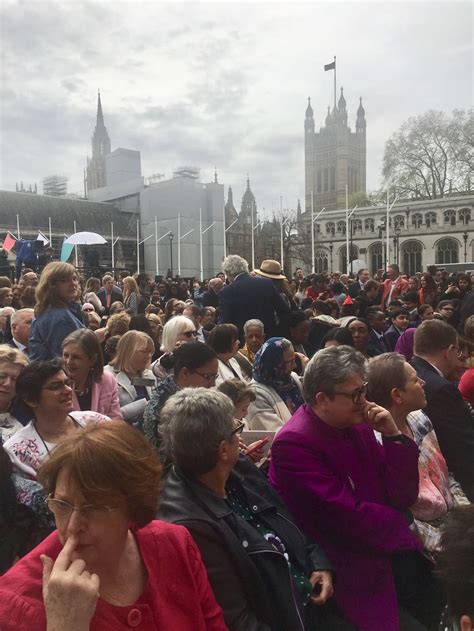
column 234, row 264
column 215, row 281
column 254, row 322
column 194, row 421
column 18, row 315
column 330, row 367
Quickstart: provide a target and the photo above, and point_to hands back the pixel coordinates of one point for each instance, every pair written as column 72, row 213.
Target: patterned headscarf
column 269, row 369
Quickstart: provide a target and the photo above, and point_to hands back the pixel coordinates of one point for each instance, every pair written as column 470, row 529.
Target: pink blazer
column 104, row 397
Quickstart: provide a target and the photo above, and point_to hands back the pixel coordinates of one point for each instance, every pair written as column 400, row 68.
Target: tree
column 431, row 155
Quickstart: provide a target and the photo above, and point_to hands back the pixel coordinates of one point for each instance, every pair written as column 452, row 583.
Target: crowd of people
column 252, row 452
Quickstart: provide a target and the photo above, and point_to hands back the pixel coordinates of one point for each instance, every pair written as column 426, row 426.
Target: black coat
column 116, row 296
column 249, row 577
column 452, row 422
column 251, row 297
column 210, row 299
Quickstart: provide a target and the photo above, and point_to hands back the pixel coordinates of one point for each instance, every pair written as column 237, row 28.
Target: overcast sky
column 222, row 84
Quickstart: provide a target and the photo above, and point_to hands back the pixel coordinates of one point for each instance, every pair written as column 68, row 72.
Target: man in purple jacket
column 351, row 494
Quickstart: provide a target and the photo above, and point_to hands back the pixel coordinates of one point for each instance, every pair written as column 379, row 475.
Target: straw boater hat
column 270, row 269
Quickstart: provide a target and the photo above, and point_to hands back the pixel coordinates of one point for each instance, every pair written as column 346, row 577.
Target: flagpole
column 200, row 245
column 312, row 232
column 156, row 246
column 223, row 223
column 179, row 244
column 253, row 237
column 75, row 247
column 112, row 241
column 334, row 83
column 50, row 233
column 138, row 246
column 18, row 226
column 347, row 231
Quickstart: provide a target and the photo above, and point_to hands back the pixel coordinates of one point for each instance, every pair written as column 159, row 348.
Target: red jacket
column 177, row 595
column 401, row 285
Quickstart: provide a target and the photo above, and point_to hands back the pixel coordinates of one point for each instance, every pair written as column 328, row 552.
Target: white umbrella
column 86, row 238
column 356, row 266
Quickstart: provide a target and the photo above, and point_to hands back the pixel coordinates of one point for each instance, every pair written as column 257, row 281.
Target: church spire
column 309, row 120
column 96, row 174
column 100, row 115
column 360, row 122
column 215, row 176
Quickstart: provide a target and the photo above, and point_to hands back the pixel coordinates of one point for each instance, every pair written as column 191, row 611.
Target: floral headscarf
column 269, row 369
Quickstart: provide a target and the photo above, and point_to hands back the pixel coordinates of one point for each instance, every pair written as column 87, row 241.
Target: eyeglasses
column 63, row 510
column 356, row 395
column 239, row 429
column 86, row 310
column 208, row 376
column 190, row 333
column 56, row 386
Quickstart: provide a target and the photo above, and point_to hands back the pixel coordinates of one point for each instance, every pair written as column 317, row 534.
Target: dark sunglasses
column 190, row 333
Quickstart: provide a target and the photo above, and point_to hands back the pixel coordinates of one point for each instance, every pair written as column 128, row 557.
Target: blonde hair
column 172, row 329
column 118, row 323
column 10, row 355
column 46, row 292
column 129, row 343
column 129, row 286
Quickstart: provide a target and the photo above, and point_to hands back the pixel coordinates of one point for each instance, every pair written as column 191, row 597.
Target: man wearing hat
column 251, row 297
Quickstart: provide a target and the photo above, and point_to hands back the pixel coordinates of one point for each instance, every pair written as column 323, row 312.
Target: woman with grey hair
column 352, row 494
column 262, row 571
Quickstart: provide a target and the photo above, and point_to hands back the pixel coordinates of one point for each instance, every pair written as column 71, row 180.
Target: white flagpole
column 200, row 245
column 387, row 228
column 112, row 241
column 18, row 226
column 225, row 231
column 50, row 233
column 334, row 84
column 138, row 246
column 75, row 247
column 253, row 237
column 179, row 244
column 156, row 247
column 312, row 232
column 347, row 231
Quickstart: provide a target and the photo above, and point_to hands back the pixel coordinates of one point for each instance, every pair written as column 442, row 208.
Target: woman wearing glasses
column 179, row 330
column 276, row 386
column 57, row 313
column 224, row 339
column 194, row 366
column 264, row 574
column 46, row 392
column 109, row 566
column 352, row 494
column 131, row 368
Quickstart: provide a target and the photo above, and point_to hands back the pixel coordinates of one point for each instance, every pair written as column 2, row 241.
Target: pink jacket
column 104, row 397
column 400, row 287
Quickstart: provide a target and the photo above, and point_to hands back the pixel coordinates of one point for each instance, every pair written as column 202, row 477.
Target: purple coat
column 346, row 492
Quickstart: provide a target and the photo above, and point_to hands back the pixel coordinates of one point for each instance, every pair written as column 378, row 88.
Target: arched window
column 450, row 217
column 321, row 260
column 417, row 220
column 411, row 257
column 447, row 251
column 376, row 257
column 357, row 225
column 341, row 227
column 399, row 221
column 430, row 219
column 465, row 216
column 330, row 228
column 354, row 254
column 369, row 225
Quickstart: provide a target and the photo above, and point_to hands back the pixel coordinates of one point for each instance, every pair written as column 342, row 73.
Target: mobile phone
column 258, row 445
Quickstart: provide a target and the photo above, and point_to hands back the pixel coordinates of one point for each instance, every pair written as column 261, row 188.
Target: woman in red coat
column 108, row 566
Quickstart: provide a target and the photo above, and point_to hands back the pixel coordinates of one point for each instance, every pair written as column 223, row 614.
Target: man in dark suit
column 210, row 298
column 362, row 277
column 249, row 297
column 439, row 362
column 109, row 293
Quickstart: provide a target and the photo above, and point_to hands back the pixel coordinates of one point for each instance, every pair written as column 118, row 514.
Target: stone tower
column 334, row 157
column 95, row 172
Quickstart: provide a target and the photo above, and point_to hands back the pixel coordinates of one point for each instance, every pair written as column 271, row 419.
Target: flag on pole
column 8, row 242
column 66, row 250
column 42, row 238
column 331, row 66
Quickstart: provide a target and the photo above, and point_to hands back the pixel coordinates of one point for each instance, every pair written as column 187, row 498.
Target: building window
column 357, row 225
column 330, row 228
column 317, row 229
column 376, row 257
column 447, row 251
column 333, row 178
column 399, row 221
column 321, row 260
column 450, row 217
column 320, row 188
column 369, row 225
column 326, row 180
column 411, row 257
column 354, row 254
column 341, row 227
column 430, row 219
column 465, row 216
column 417, row 220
